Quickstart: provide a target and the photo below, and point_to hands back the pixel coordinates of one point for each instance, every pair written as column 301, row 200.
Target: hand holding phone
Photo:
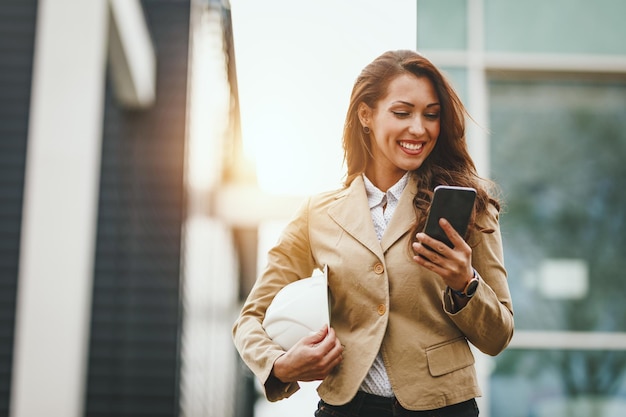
column 454, row 204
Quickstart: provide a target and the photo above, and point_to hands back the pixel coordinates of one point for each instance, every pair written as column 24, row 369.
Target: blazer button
column 379, row 268
column 381, row 309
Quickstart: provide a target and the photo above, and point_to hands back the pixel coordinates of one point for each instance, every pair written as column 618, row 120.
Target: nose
column 417, row 126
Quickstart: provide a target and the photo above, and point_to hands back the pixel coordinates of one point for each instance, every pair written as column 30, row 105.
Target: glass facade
column 434, row 16
column 558, row 383
column 557, row 26
column 555, row 141
column 458, row 78
column 556, row 150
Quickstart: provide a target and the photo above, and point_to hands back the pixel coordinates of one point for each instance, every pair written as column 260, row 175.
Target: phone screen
column 455, row 204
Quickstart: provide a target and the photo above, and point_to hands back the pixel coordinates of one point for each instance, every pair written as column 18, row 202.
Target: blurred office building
column 133, row 224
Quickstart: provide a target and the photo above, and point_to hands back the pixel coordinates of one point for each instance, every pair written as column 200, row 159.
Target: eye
column 401, row 114
column 432, row 116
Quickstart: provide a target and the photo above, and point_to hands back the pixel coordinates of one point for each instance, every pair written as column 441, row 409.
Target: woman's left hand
column 453, row 265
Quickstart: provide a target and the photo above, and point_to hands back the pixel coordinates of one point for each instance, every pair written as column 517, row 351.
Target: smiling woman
column 401, row 320
column 295, row 64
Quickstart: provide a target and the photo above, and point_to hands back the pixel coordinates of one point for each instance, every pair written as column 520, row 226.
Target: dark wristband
column 464, row 294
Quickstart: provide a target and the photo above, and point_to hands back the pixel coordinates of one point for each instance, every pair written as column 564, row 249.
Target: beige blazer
column 381, row 299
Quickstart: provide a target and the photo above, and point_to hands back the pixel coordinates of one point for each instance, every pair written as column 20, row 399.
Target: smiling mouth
column 411, row 146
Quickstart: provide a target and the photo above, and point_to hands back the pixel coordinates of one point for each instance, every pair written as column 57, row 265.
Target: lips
column 411, row 146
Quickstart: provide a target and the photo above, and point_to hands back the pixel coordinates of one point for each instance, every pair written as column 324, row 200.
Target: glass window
column 557, row 152
column 566, row 26
column 559, row 383
column 441, row 24
column 458, row 78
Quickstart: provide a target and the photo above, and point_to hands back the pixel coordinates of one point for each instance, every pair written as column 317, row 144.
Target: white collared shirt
column 382, row 206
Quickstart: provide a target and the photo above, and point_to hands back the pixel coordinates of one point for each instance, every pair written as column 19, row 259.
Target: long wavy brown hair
column 449, row 163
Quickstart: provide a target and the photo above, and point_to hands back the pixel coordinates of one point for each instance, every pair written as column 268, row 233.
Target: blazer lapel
column 351, row 212
column 403, row 218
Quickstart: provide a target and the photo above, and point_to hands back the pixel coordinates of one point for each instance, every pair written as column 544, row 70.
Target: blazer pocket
column 449, row 356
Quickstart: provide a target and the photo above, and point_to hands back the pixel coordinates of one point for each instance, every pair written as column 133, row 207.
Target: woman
column 402, row 316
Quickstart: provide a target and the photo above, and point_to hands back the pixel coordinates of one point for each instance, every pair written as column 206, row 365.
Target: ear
column 365, row 114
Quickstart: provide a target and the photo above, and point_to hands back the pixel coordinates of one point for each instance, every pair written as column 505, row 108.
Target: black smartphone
column 454, row 204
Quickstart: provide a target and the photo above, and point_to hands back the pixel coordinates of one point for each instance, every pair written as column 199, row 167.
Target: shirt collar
column 375, row 196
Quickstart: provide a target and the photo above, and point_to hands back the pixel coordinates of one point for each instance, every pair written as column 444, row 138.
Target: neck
column 386, row 181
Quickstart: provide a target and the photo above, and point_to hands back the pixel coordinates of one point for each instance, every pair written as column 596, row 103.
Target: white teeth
column 412, row 146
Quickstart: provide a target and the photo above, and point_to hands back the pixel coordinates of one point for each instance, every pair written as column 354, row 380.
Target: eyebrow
column 413, row 105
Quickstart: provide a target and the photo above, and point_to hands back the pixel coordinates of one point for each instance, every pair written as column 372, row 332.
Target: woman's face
column 404, row 127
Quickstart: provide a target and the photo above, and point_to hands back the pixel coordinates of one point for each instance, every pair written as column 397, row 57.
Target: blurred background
column 151, row 151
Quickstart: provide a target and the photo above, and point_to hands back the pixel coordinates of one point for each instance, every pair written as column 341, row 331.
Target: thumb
column 316, row 337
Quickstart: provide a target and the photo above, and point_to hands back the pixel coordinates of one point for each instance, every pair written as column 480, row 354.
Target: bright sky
column 296, row 64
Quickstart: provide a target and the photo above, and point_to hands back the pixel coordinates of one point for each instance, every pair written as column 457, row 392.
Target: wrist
column 279, row 370
column 470, row 288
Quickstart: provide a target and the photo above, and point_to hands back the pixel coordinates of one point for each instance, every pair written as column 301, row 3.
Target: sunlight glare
column 208, row 102
column 296, row 63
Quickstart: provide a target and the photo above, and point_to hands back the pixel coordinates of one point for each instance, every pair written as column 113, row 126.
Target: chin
column 413, row 167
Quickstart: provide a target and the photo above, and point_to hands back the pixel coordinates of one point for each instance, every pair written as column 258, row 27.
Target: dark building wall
column 17, row 39
column 134, row 344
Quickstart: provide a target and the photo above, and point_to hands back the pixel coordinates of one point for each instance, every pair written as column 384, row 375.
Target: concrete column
column 60, row 206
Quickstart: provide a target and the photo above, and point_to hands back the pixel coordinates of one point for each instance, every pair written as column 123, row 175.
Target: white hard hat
column 298, row 310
